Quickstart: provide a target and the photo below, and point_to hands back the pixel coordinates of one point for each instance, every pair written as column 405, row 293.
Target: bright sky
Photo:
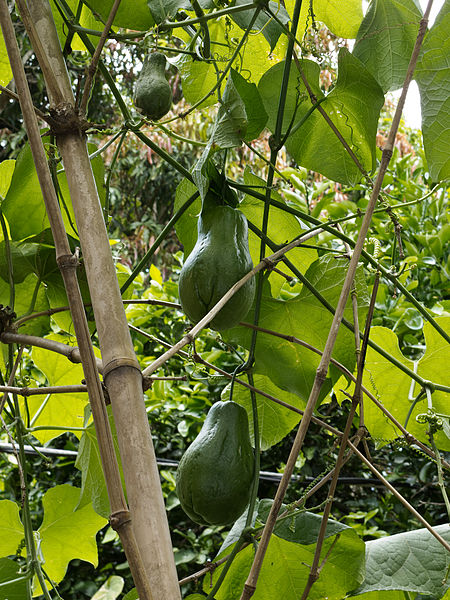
column 411, row 111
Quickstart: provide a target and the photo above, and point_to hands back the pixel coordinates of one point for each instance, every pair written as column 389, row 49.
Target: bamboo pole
column 121, row 370
column 67, row 264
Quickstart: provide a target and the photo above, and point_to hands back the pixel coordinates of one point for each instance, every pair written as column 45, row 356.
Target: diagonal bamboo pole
column 250, row 585
column 67, row 264
column 121, row 371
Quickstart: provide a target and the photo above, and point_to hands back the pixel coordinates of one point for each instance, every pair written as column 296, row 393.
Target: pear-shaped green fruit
column 214, row 477
column 152, row 92
column 218, row 260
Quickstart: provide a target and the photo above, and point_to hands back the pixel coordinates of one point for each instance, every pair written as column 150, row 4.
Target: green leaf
column 62, row 410
column 264, row 23
column 342, row 17
column 87, row 20
column 254, row 107
column 11, row 528
column 433, row 78
column 301, row 527
column 27, row 259
column 67, row 533
column 111, row 589
column 282, row 227
column 29, row 295
column 291, row 366
column 6, row 172
column 132, row 14
column 413, row 561
column 383, row 595
column 199, row 77
column 386, row 38
column 186, row 226
column 231, row 121
column 285, row 569
column 275, row 421
column 5, row 69
column 167, row 9
column 393, row 387
column 353, row 105
column 132, row 595
column 10, row 570
column 24, row 194
column 93, row 486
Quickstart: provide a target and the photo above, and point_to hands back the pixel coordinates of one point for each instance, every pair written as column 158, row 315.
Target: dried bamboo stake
column 121, row 370
column 67, row 264
column 315, row 569
column 250, row 585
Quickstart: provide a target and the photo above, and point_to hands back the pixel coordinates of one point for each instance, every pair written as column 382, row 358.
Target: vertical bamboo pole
column 121, row 370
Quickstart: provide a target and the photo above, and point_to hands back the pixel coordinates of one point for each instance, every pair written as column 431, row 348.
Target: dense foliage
column 245, row 129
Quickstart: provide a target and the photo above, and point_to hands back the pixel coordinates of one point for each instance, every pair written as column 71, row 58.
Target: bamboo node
column 7, row 316
column 121, row 361
column 119, row 518
column 64, row 118
column 67, row 261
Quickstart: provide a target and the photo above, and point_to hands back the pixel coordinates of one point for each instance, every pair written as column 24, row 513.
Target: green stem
column 144, row 261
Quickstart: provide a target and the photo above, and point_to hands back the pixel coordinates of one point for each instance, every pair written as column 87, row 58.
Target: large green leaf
column 353, row 105
column 111, row 589
column 6, row 173
column 393, row 387
column 93, row 487
column 26, row 259
column 285, row 569
column 86, row 20
column 24, row 195
column 413, row 561
column 10, row 571
column 282, row 227
column 67, row 532
column 62, row 410
column 342, row 17
column 275, row 421
column 231, row 122
column 269, row 27
column 291, row 366
column 199, row 77
column 5, row 69
column 11, row 528
column 29, row 295
column 433, row 78
column 386, row 39
column 241, row 114
column 132, row 14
